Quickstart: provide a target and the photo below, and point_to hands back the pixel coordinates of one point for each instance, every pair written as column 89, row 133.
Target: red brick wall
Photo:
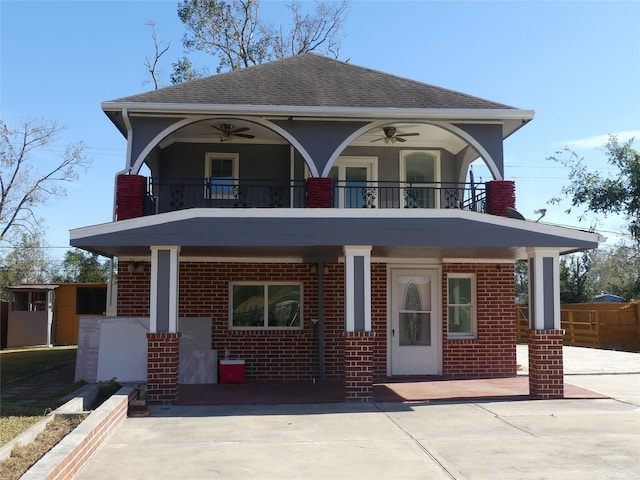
column 130, row 191
column 493, row 352
column 358, row 366
column 546, row 369
column 319, row 192
column 134, row 291
column 162, row 367
column 379, row 318
column 500, row 194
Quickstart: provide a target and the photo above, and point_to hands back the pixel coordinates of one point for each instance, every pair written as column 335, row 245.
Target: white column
column 544, row 289
column 165, row 264
column 357, row 284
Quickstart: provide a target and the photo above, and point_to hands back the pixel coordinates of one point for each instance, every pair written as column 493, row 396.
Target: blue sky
column 577, row 64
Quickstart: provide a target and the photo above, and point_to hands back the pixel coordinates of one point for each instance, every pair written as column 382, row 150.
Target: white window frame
column 474, row 307
column 265, row 286
column 370, row 163
column 235, row 166
column 436, row 170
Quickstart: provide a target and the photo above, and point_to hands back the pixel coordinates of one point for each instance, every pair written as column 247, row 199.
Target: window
column 352, row 178
column 91, row 300
column 33, row 301
column 265, row 305
column 461, row 306
column 420, row 171
column 222, row 172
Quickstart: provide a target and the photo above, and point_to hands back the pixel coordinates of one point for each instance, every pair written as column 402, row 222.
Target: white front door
column 415, row 322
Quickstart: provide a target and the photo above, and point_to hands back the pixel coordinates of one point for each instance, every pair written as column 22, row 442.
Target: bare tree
column 233, row 31
column 317, row 32
column 160, row 48
column 24, row 185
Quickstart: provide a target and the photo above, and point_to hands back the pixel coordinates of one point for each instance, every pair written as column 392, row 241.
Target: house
column 49, row 314
column 316, row 216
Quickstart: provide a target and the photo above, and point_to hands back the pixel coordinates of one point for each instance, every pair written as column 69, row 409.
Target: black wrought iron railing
column 169, row 194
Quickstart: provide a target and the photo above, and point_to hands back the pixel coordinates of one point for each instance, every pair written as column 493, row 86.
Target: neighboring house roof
column 312, row 80
column 608, row 298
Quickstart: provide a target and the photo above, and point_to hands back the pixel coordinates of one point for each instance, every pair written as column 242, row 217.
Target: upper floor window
column 222, row 172
column 352, row 177
column 420, row 170
column 257, row 305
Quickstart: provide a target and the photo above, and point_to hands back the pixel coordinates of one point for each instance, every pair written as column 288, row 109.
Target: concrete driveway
column 532, row 439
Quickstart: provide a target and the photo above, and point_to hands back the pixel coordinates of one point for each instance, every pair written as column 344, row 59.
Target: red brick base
column 546, row 371
column 358, row 366
column 162, row 367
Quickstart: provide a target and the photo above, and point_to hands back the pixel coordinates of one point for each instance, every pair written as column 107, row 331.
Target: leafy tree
column 617, row 195
column 82, row 267
column 26, row 262
column 233, row 31
column 574, row 271
column 24, row 185
column 522, row 281
column 616, row 270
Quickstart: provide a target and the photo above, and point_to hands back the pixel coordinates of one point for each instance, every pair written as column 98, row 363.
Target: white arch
column 495, row 171
column 187, row 121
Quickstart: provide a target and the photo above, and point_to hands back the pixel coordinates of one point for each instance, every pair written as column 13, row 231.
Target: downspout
column 321, row 372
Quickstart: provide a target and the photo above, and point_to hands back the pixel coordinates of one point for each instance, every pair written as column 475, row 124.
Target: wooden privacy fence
column 596, row 325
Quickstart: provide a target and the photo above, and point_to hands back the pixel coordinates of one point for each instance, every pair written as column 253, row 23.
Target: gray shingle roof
column 312, row 80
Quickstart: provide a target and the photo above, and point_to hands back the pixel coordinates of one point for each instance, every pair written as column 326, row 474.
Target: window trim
column 235, row 167
column 265, row 285
column 436, row 171
column 474, row 308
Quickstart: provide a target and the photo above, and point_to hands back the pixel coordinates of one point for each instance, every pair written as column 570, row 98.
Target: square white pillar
column 165, row 265
column 544, row 289
column 357, row 284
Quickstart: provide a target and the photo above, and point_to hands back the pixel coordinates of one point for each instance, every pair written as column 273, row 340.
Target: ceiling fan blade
column 243, row 135
column 377, row 139
column 238, row 130
column 217, row 128
column 399, row 139
column 413, row 134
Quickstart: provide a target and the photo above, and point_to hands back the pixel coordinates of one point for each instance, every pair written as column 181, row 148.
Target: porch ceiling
column 322, row 233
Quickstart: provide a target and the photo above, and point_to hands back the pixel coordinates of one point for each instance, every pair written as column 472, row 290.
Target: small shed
column 608, row 298
column 30, row 319
column 49, row 314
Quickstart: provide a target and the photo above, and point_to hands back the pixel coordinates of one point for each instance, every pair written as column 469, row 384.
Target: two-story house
column 318, row 215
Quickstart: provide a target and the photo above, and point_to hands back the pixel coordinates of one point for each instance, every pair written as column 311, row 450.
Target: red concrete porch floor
column 391, row 390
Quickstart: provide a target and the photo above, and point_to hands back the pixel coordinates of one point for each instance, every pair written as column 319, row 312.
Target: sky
column 576, row 64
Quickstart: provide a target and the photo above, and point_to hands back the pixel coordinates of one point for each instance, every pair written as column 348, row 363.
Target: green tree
column 574, row 275
column 26, row 262
column 619, row 194
column 616, row 270
column 82, row 267
column 522, row 281
column 233, row 32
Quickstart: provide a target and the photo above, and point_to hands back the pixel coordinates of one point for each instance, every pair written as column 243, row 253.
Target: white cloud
column 599, row 141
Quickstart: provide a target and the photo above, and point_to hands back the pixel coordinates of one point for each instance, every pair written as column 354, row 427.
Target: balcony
column 166, row 195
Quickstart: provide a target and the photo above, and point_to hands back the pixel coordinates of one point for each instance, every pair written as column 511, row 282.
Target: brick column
column 130, row 191
column 319, row 192
column 500, row 194
column 163, row 350
column 358, row 366
column 546, row 372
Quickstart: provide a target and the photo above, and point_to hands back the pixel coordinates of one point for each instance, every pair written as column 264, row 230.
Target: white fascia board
column 335, row 213
column 317, row 111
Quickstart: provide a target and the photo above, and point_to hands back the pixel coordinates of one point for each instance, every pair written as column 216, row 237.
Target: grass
column 24, row 456
column 25, row 406
column 20, row 363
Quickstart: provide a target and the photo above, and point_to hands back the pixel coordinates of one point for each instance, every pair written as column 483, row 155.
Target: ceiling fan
column 228, row 130
column 391, row 136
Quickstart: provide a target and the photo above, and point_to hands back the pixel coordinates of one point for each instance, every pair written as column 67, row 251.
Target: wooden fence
column 596, row 325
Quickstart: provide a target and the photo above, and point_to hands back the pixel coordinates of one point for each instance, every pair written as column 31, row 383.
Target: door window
column 420, row 174
column 352, row 183
column 414, row 322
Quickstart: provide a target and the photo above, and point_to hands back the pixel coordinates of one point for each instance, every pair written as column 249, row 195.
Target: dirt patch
column 24, row 457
